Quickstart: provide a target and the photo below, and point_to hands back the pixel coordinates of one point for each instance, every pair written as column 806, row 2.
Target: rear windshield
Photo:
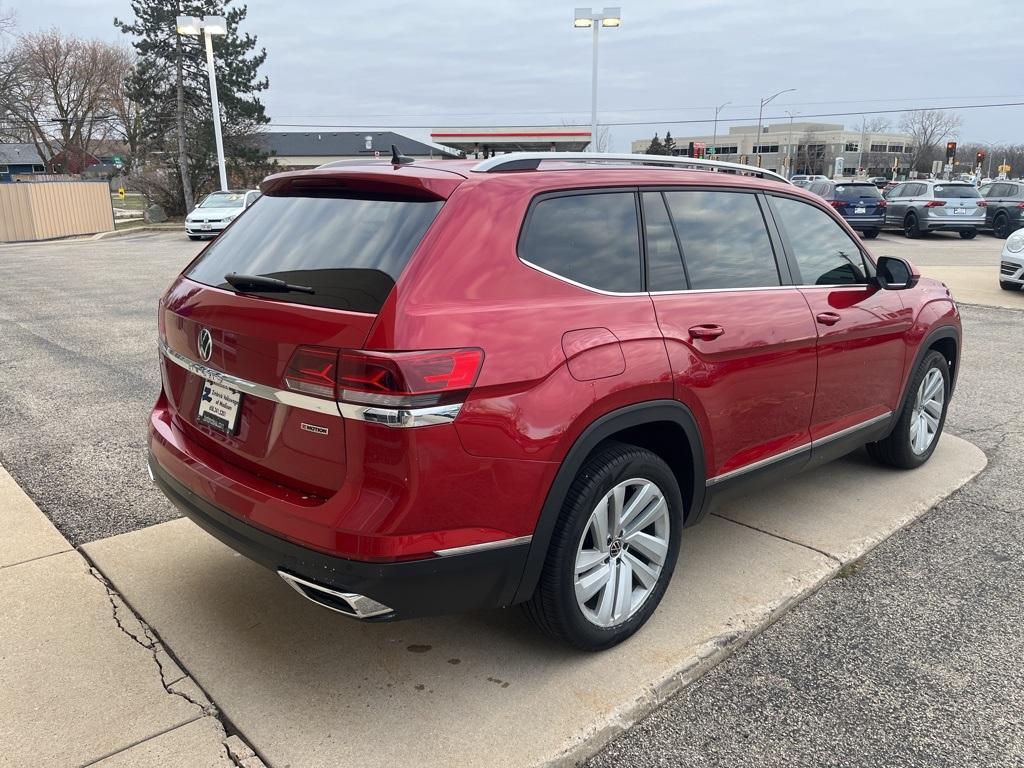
column 955, row 190
column 349, row 251
column 856, row 192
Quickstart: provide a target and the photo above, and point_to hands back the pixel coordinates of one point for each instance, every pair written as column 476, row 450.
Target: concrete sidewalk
column 310, row 688
column 82, row 680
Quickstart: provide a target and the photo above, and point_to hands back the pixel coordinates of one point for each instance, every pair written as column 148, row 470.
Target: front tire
column 968, row 234
column 613, row 549
column 911, row 228
column 920, row 420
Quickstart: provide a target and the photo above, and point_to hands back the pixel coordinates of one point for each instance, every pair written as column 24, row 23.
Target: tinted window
column 591, row 239
column 1012, row 190
column 824, row 252
column 725, row 243
column 915, row 190
column 664, row 263
column 855, row 192
column 897, row 191
column 990, row 190
column 349, row 251
column 958, row 191
column 819, row 188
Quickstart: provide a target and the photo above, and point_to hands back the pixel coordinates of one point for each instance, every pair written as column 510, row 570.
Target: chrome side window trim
column 483, row 547
column 798, row 449
column 401, row 418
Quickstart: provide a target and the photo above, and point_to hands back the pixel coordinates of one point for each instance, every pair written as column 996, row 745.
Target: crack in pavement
column 150, row 643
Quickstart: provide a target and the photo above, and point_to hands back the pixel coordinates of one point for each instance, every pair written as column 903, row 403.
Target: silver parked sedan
column 1011, row 263
column 927, row 205
column 216, row 211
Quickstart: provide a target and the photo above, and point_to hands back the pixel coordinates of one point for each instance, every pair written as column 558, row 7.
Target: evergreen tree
column 656, row 147
column 170, row 85
column 670, row 144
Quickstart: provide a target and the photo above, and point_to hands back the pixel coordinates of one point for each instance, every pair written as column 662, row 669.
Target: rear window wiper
column 263, row 284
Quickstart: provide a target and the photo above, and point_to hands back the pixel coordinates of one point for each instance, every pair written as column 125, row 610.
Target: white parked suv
column 216, row 211
column 1011, row 263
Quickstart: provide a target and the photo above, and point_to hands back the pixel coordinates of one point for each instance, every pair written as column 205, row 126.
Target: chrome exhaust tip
column 348, row 603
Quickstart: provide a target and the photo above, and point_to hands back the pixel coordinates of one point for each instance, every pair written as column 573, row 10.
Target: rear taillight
column 982, row 204
column 390, row 379
column 935, row 204
column 407, row 379
column 1021, row 206
column 881, row 204
column 837, row 204
column 313, row 371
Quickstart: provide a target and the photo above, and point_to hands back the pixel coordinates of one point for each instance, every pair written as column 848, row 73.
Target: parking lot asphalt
column 78, row 375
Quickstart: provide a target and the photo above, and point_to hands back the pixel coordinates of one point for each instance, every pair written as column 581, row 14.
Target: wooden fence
column 44, row 210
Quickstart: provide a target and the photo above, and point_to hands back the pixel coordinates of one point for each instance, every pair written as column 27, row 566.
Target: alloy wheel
column 927, row 414
column 622, row 551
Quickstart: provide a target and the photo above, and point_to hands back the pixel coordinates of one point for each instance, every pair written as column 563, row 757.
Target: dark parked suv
column 859, row 202
column 412, row 388
column 1005, row 205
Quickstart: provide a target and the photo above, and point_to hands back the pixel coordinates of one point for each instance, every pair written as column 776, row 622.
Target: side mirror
column 895, row 274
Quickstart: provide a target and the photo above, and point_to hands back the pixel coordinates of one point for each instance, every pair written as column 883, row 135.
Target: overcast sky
column 394, row 64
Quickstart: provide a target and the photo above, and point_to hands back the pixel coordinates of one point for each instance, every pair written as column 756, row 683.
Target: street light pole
column 789, row 146
column 714, row 137
column 583, row 18
column 208, row 27
column 760, row 112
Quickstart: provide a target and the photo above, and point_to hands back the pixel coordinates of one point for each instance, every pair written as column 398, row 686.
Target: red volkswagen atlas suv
column 412, row 388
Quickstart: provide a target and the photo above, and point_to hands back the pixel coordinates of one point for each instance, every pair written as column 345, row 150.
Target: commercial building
column 484, row 142
column 296, row 150
column 805, row 147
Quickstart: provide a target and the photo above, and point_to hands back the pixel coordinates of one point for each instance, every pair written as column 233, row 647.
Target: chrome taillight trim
column 401, row 418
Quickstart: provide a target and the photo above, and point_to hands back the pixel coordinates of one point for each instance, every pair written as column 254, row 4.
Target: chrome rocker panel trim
column 401, row 418
column 483, row 547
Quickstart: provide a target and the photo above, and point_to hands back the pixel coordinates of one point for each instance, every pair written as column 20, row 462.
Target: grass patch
column 850, row 569
column 133, row 201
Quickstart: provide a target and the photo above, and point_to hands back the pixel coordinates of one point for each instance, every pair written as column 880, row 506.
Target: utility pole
column 714, row 137
column 760, row 114
column 789, row 146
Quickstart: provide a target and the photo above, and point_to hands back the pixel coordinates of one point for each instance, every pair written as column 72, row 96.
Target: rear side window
column 591, row 239
column 958, row 191
column 349, row 251
column 724, row 239
column 819, row 188
column 855, row 192
column 825, row 254
column 664, row 262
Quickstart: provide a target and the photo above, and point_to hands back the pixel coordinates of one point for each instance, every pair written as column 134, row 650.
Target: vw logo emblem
column 205, row 344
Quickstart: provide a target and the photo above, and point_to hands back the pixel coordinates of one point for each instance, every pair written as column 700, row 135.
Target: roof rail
column 530, row 161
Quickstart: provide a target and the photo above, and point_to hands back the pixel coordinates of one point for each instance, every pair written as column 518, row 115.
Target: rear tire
column 911, row 228
column 580, row 598
column 924, row 408
column 869, row 234
column 1001, row 226
column 968, row 234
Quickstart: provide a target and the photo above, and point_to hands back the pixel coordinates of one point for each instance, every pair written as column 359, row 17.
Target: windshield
column 223, row 200
column 350, row 251
column 955, row 190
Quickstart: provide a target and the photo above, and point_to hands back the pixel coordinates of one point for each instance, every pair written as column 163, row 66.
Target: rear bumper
column 866, row 222
column 435, row 585
column 951, row 225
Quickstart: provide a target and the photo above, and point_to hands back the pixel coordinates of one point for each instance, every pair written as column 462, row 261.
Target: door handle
column 828, row 318
column 707, row 331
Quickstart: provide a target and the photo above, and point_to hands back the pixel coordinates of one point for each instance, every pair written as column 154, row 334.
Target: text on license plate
column 860, row 210
column 218, row 407
column 959, row 211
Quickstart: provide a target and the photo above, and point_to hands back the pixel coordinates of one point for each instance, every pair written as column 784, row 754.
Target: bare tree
column 878, row 124
column 128, row 127
column 60, row 98
column 929, row 128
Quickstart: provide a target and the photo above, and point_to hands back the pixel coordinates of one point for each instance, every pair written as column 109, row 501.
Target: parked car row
column 919, row 206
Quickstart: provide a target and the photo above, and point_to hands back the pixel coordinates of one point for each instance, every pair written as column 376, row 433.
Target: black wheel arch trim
column 942, row 332
column 601, row 429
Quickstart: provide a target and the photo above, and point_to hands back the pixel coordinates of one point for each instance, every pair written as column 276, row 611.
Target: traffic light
column 980, row 157
column 950, row 151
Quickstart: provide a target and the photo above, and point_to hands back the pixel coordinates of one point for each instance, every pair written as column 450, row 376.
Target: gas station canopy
column 489, row 141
